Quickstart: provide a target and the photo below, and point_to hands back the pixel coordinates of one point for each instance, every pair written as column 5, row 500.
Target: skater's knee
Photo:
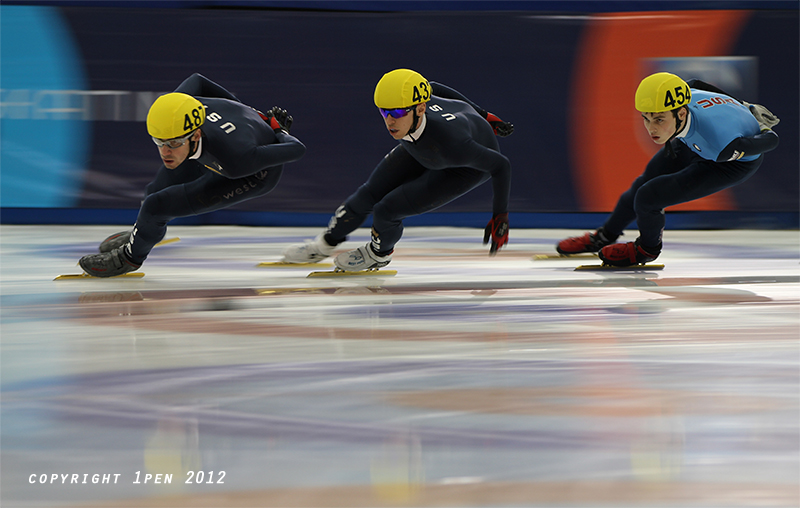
column 155, row 206
column 360, row 203
column 650, row 198
column 386, row 214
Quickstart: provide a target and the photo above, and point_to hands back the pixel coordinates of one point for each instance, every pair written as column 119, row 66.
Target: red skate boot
column 628, row 254
column 590, row 242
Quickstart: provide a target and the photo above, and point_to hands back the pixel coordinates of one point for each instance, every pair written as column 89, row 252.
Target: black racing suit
column 452, row 153
column 240, row 157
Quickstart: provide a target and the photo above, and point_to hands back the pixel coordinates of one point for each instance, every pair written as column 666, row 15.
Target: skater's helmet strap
column 175, row 115
column 662, row 92
column 402, row 88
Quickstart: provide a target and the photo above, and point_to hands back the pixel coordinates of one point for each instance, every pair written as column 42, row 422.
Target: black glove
column 500, row 127
column 497, row 230
column 277, row 118
column 282, row 117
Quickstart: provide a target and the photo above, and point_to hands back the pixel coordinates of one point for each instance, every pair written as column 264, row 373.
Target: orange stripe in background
column 609, row 142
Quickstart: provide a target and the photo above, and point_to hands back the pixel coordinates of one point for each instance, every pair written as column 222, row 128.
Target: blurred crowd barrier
column 77, row 79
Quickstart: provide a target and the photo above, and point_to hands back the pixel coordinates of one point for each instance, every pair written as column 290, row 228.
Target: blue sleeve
column 198, row 85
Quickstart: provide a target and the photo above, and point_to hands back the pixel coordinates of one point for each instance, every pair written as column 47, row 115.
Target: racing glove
column 497, row 231
column 283, row 118
column 278, row 119
column 766, row 118
column 500, row 127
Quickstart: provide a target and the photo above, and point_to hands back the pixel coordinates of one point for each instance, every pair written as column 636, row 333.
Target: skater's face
column 662, row 126
column 399, row 127
column 174, row 157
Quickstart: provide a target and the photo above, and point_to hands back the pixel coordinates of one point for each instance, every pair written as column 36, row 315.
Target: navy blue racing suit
column 721, row 146
column 453, row 151
column 239, row 157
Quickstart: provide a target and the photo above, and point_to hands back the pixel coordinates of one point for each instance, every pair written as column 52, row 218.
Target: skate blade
column 621, row 268
column 289, row 291
column 167, row 241
column 342, row 273
column 284, row 264
column 129, row 275
column 583, row 255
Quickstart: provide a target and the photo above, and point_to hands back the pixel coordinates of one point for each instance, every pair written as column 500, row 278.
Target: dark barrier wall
column 77, row 83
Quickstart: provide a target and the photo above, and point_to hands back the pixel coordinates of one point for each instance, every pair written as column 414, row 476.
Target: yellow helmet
column 662, row 92
column 401, row 88
column 174, row 115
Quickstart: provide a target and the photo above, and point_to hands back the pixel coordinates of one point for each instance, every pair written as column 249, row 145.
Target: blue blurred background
column 77, row 79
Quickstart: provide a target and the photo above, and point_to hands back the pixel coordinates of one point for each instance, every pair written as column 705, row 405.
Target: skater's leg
column 164, row 178
column 430, row 191
column 624, row 212
column 699, row 179
column 206, row 194
column 397, row 168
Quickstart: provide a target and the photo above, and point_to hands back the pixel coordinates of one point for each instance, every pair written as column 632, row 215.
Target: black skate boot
column 114, row 241
column 590, row 242
column 108, row 264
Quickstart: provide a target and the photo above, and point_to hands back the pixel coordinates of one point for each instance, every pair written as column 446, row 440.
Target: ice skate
column 108, row 264
column 628, row 254
column 612, row 268
column 123, row 237
column 589, row 242
column 115, row 241
column 360, row 259
column 311, row 251
column 85, row 276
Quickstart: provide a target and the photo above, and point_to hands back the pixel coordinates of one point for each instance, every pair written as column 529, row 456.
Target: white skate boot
column 362, row 258
column 311, row 251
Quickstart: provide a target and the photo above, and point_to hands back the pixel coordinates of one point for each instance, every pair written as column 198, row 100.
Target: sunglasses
column 172, row 143
column 395, row 113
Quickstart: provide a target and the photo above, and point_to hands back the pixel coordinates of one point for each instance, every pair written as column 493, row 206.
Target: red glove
column 497, row 230
column 499, row 127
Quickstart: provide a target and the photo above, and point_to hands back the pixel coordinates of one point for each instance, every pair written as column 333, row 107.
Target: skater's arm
column 499, row 127
column 287, row 148
column 198, row 85
column 744, row 146
column 495, row 163
column 449, row 93
column 707, row 87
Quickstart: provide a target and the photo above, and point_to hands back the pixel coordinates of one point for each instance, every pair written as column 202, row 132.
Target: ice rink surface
column 463, row 381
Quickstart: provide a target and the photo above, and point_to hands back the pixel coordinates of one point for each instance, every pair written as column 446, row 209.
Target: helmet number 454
column 681, row 96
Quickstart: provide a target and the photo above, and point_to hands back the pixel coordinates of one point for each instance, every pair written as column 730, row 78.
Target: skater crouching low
column 711, row 142
column 447, row 147
column 212, row 146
